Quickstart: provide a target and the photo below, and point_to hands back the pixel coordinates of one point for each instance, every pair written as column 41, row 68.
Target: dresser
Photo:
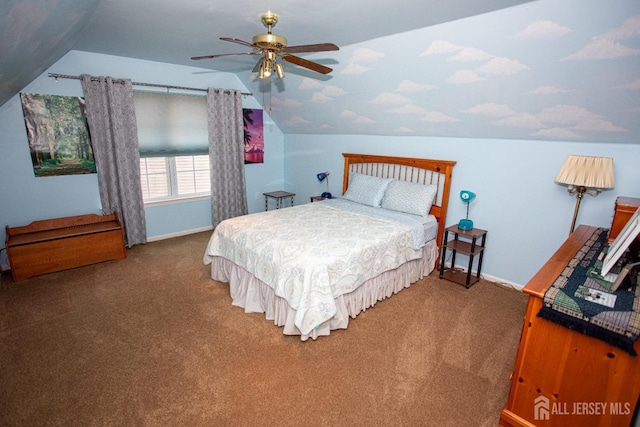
column 624, row 208
column 565, row 378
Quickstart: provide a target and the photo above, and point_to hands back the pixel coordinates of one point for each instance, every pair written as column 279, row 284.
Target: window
column 174, row 146
column 173, row 178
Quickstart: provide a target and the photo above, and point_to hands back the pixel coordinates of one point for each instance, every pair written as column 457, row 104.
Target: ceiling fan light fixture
column 261, row 70
column 279, row 69
column 267, row 67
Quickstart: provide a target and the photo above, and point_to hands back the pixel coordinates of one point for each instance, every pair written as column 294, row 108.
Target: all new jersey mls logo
column 541, row 408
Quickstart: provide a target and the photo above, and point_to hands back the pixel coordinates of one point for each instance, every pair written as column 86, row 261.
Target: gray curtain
column 114, row 137
column 226, row 153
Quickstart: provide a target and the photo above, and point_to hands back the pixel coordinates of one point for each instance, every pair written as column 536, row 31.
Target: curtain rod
column 66, row 76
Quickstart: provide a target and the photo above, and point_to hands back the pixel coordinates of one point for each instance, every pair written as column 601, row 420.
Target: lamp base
column 465, row 224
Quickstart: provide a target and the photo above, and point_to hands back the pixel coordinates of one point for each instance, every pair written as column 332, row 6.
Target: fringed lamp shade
column 585, row 174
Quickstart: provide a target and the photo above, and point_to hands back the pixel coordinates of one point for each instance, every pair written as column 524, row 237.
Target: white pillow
column 409, row 197
column 366, row 189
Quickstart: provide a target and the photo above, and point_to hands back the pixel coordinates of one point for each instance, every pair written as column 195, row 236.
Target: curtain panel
column 114, row 135
column 226, row 153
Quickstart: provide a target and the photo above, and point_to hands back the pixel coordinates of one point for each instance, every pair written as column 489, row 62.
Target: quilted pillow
column 409, row 197
column 366, row 189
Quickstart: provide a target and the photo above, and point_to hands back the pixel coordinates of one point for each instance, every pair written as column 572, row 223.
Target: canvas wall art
column 58, row 134
column 253, row 136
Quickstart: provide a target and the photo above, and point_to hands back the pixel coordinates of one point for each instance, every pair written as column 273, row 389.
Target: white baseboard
column 490, row 278
column 179, row 234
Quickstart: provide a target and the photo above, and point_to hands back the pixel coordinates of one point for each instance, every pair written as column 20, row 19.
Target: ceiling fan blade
column 319, row 47
column 314, row 66
column 235, row 40
column 222, row 54
column 257, row 67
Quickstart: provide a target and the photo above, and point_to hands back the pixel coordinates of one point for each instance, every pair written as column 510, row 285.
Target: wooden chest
column 63, row 243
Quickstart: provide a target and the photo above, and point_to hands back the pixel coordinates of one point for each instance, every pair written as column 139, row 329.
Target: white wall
column 526, row 214
column 25, row 198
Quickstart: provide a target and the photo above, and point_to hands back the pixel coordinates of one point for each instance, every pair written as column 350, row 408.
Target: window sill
column 177, row 200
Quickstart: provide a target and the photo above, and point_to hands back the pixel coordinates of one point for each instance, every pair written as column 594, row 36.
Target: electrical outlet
column 257, row 195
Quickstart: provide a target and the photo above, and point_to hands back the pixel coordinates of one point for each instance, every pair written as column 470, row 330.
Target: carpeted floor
column 153, row 341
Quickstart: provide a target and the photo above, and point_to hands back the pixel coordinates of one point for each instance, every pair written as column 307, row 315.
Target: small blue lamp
column 466, row 196
column 322, row 176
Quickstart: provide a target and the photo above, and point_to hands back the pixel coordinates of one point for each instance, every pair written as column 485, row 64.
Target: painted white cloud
column 328, row 93
column 363, row 54
column 470, row 54
column 409, row 86
column 629, row 29
column 502, row 67
column 635, row 85
column 295, row 121
column 603, row 49
column 547, row 90
column 333, row 91
column 347, row 114
column 440, row 46
column 320, row 98
column 464, row 77
column 607, row 46
column 363, row 120
column 354, row 69
column 557, row 134
column 520, row 120
column 598, row 125
column 308, row 83
column 390, row 98
column 542, row 30
column 491, row 109
column 567, row 114
column 438, row 117
column 408, row 109
column 354, row 64
column 404, row 129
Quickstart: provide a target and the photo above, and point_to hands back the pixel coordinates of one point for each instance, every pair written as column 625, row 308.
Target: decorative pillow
column 366, row 189
column 409, row 197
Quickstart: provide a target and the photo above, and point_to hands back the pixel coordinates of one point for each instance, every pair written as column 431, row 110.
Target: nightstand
column 316, row 198
column 465, row 242
column 278, row 195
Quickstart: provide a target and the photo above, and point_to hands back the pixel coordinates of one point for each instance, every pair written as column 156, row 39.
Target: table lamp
column 466, row 196
column 324, row 176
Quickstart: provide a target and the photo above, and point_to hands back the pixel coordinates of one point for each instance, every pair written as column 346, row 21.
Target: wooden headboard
column 422, row 171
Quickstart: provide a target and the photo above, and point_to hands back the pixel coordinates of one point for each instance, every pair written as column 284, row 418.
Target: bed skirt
column 255, row 296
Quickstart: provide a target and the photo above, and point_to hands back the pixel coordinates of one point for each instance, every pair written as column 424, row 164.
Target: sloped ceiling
column 514, row 69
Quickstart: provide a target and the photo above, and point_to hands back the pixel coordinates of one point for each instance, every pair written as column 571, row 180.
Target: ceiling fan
column 273, row 47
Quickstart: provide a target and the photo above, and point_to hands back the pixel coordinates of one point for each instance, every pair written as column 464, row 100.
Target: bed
column 312, row 267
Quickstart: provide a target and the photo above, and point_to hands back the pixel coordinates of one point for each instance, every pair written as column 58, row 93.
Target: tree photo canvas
column 58, row 134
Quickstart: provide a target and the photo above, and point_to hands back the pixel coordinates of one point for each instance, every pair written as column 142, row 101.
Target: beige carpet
column 152, row 340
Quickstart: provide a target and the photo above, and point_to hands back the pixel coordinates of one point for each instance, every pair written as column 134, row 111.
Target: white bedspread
column 312, row 253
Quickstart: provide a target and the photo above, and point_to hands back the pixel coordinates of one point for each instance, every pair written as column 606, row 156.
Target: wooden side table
column 278, row 195
column 316, row 198
column 466, row 242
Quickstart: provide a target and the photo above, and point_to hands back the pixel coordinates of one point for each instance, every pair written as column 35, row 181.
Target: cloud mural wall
column 545, row 70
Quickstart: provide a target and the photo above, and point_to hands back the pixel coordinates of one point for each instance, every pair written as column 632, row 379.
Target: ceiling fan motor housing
column 269, row 41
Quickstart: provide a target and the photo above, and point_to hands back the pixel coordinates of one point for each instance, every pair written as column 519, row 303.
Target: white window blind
column 171, row 124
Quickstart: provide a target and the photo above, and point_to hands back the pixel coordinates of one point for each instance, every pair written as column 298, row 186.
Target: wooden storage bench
column 63, row 243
